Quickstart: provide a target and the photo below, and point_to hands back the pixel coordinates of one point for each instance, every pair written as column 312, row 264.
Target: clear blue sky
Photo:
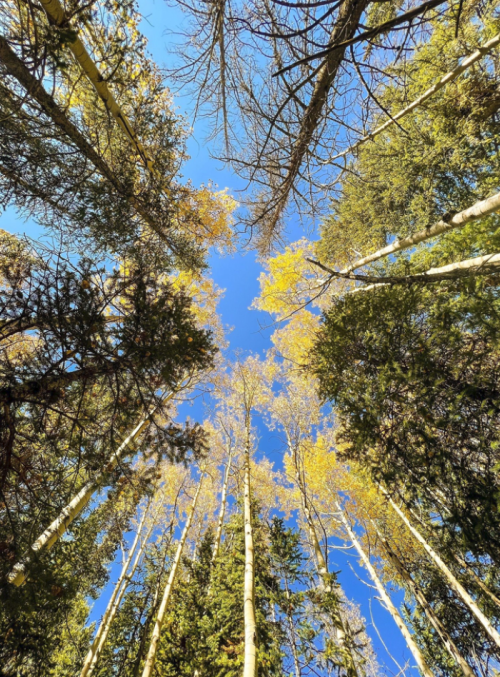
column 238, row 275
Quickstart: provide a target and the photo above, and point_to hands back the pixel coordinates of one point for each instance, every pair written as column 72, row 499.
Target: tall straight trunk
column 116, row 598
column 344, row 640
column 417, row 654
column 223, row 503
column 468, row 568
column 449, row 77
column 56, row 13
column 455, row 585
column 250, row 664
column 477, row 211
column 58, row 527
column 344, row 28
column 18, row 70
column 151, row 657
column 418, row 594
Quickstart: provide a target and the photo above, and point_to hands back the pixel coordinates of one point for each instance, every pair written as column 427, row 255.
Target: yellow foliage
column 208, row 216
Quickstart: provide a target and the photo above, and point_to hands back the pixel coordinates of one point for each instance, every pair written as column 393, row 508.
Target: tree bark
column 250, row 664
column 102, row 631
column 222, row 512
column 455, row 585
column 417, row 654
column 58, row 527
column 449, row 77
column 151, row 657
column 56, row 13
column 418, row 594
column 477, row 211
column 344, row 28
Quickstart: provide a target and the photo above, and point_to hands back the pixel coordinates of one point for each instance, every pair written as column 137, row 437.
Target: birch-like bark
column 449, row 77
column 455, row 585
column 223, row 503
column 477, row 579
column 17, row 69
column 151, row 657
column 56, row 13
column 417, row 592
column 58, row 527
column 322, row 566
column 116, row 598
column 417, row 654
column 250, row 664
column 477, row 211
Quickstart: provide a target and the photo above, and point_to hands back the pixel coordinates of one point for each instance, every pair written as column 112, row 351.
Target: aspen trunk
column 222, row 512
column 58, row 527
column 455, row 585
column 342, row 635
column 449, row 77
column 151, row 657
column 116, row 598
column 417, row 654
column 56, row 13
column 477, row 211
column 250, row 665
column 17, row 69
column 477, row 579
column 417, row 592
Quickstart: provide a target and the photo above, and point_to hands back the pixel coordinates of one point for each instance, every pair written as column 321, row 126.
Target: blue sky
column 238, row 275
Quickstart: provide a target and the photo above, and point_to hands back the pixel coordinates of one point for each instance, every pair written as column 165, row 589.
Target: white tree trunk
column 455, row 585
column 58, row 527
column 477, row 211
column 417, row 592
column 222, row 512
column 56, row 13
column 250, row 664
column 151, row 657
column 449, row 77
column 417, row 654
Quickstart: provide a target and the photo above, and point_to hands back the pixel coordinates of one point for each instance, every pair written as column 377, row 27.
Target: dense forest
column 137, row 542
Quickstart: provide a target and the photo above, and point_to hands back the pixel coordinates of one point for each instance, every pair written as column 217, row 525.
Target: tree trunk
column 116, row 598
column 151, row 657
column 222, row 512
column 449, row 77
column 58, row 527
column 345, row 641
column 250, row 665
column 468, row 568
column 417, row 654
column 456, row 586
column 344, row 28
column 477, row 211
column 16, row 68
column 56, row 13
column 429, row 611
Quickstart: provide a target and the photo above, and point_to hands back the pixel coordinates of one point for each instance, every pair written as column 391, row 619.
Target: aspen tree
column 58, row 527
column 450, row 645
column 223, row 502
column 449, row 77
column 151, row 657
column 125, row 577
column 417, row 654
column 454, row 583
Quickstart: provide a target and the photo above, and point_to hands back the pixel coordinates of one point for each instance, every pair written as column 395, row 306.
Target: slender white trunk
column 477, row 579
column 322, row 565
column 477, row 211
column 58, row 527
column 455, row 585
column 250, row 664
column 417, row 654
column 480, row 265
column 417, row 592
column 222, row 512
column 449, row 77
column 116, row 598
column 57, row 14
column 151, row 657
